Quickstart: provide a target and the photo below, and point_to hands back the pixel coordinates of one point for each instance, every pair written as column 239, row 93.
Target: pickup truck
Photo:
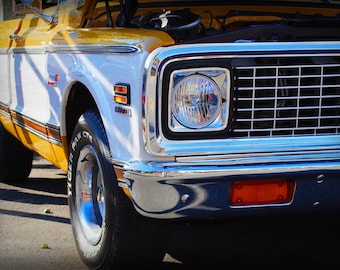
column 165, row 110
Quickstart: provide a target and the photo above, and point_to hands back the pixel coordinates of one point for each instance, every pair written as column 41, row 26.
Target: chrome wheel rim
column 90, row 202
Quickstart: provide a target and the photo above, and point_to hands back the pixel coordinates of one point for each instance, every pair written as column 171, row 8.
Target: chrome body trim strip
column 3, row 51
column 4, row 110
column 77, row 49
column 29, row 50
column 41, row 130
column 93, row 49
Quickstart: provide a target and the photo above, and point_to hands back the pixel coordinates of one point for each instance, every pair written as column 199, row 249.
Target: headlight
column 196, row 101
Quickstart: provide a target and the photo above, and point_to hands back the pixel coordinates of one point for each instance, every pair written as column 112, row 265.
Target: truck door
column 8, row 28
column 30, row 97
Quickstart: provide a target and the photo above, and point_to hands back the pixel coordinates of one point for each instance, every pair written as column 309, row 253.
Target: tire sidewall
column 89, row 131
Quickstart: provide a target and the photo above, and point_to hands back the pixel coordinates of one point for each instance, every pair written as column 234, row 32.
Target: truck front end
column 239, row 128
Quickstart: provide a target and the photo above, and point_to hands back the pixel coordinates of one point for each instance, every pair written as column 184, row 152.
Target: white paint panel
column 4, row 79
column 30, row 94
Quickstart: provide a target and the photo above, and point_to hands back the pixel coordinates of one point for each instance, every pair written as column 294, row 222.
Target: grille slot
column 286, row 97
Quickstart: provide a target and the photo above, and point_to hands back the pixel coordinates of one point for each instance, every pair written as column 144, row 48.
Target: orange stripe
column 4, row 109
column 53, row 133
column 40, row 128
column 28, row 123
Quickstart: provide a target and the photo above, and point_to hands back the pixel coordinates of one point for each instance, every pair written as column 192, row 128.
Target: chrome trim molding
column 76, row 49
column 29, row 50
column 48, row 129
column 93, row 49
column 221, row 77
column 3, row 51
column 38, row 133
column 179, row 171
column 4, row 110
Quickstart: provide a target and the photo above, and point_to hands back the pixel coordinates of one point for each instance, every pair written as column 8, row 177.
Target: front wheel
column 109, row 233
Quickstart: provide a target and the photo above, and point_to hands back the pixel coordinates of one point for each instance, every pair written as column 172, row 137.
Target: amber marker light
column 261, row 192
column 120, row 99
column 122, row 93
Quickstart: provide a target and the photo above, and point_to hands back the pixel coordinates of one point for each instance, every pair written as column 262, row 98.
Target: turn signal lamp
column 122, row 93
column 261, row 192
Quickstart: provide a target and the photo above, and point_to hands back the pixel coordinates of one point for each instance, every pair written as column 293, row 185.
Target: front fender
column 99, row 72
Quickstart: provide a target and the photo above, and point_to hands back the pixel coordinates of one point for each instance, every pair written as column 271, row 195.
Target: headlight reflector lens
column 196, row 101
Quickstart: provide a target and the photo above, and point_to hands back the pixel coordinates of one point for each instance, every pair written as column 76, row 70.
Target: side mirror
column 25, row 6
column 32, row 7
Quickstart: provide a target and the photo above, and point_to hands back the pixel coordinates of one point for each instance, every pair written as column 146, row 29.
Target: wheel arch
column 77, row 101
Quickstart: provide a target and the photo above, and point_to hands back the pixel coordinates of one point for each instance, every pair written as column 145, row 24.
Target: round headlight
column 196, row 101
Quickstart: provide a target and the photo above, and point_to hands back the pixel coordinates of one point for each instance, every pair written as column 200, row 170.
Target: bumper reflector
column 259, row 192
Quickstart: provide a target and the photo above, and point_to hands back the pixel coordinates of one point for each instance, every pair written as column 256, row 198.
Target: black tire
column 109, row 233
column 15, row 159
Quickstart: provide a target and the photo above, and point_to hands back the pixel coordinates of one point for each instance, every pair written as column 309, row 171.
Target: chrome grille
column 286, row 97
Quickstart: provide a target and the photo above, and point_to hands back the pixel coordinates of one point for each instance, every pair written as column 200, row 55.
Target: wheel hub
column 90, row 199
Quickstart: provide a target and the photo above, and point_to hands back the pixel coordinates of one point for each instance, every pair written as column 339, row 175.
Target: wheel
column 109, row 233
column 15, row 159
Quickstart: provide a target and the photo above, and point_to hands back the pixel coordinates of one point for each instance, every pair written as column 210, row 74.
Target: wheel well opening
column 79, row 101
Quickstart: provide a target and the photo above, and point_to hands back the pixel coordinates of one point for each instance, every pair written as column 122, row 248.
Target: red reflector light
column 255, row 192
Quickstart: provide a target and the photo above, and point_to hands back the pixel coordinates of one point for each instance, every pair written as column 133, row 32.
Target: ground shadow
column 276, row 242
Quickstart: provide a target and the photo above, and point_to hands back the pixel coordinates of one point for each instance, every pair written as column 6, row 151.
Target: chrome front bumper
column 201, row 190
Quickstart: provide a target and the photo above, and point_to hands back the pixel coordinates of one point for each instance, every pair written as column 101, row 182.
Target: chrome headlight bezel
column 219, row 81
column 195, row 102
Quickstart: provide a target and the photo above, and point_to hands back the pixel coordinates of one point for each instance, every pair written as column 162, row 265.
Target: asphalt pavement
column 35, row 233
column 34, row 214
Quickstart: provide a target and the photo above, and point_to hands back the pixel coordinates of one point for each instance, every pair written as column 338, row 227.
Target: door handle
column 16, row 37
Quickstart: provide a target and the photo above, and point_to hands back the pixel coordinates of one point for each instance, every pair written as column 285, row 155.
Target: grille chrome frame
column 227, row 148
